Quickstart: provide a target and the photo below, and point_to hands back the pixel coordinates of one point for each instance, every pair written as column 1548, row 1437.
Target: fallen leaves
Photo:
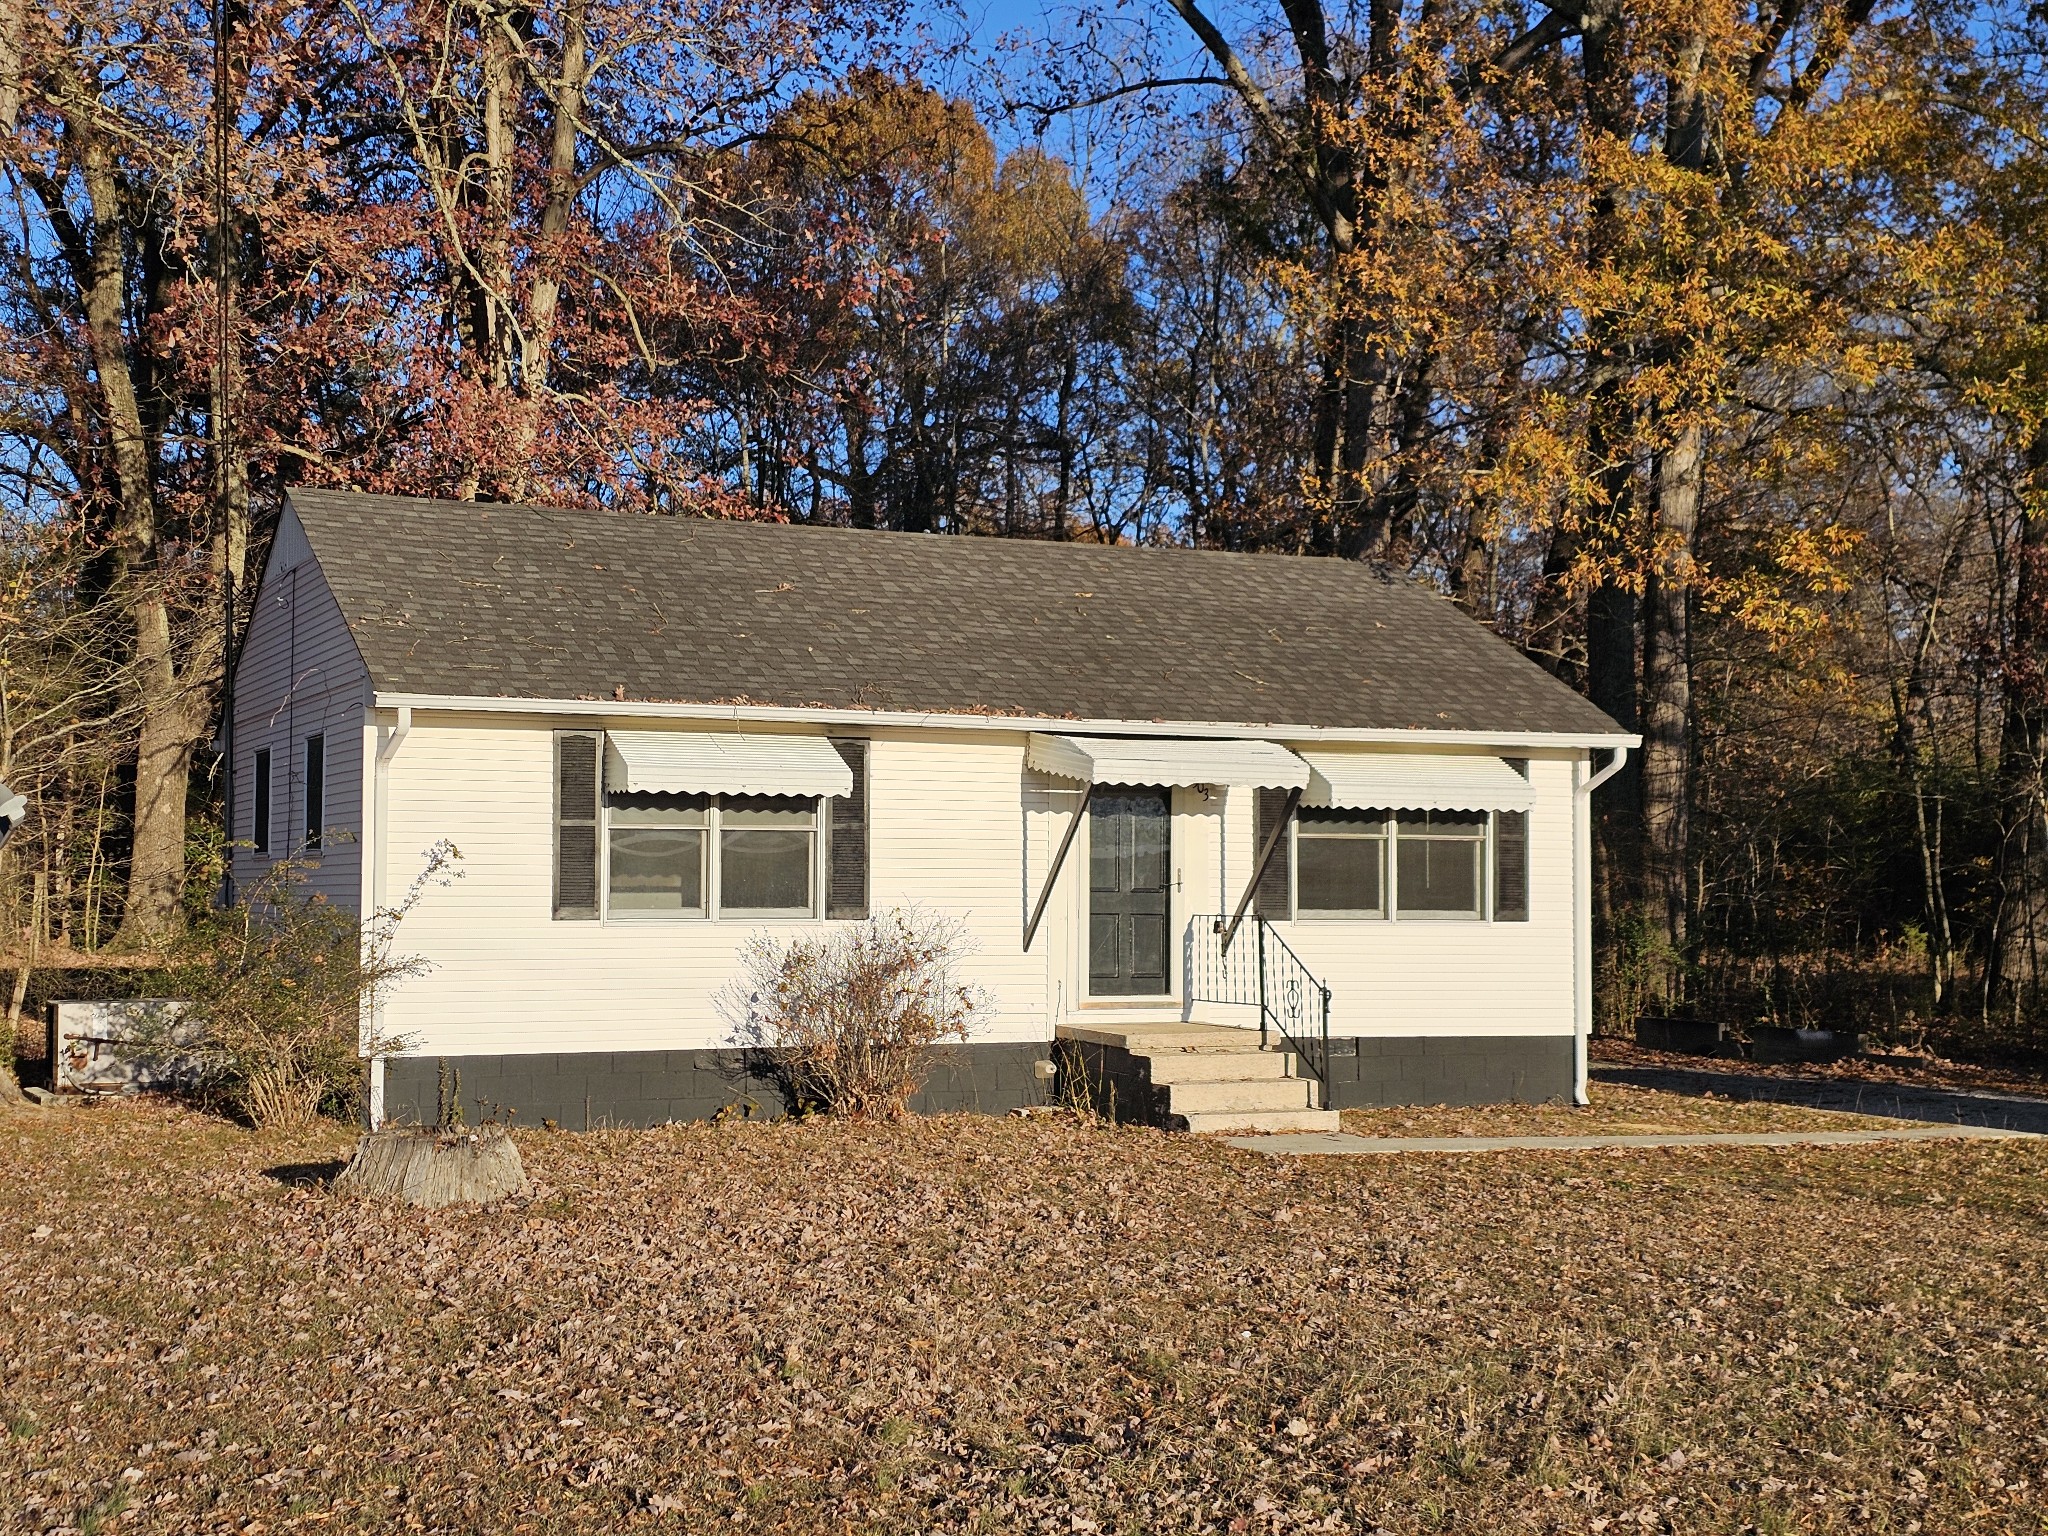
column 1020, row 1325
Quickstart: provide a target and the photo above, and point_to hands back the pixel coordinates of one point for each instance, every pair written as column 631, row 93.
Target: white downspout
column 379, row 801
column 1582, row 912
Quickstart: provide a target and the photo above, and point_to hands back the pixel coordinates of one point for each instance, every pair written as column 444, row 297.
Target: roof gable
column 468, row 599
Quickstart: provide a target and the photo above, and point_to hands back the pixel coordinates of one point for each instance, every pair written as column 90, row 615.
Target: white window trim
column 711, row 879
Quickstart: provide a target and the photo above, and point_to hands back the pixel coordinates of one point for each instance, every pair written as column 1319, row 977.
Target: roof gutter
column 1614, row 765
column 1492, row 741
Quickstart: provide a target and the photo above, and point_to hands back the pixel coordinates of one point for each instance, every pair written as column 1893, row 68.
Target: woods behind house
column 1702, row 351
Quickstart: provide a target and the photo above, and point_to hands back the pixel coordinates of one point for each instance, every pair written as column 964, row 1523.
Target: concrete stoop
column 1214, row 1079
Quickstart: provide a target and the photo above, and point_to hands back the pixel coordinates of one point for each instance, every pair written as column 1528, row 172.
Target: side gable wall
column 300, row 675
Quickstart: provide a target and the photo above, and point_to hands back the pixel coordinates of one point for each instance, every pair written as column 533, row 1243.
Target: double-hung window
column 1440, row 863
column 1340, row 863
column 733, row 856
column 767, row 856
column 1410, row 864
column 656, row 855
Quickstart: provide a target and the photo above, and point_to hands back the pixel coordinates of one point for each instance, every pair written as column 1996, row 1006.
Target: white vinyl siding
column 299, row 675
column 945, row 835
column 959, row 827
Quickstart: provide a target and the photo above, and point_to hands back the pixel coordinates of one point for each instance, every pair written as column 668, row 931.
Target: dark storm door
column 1130, row 874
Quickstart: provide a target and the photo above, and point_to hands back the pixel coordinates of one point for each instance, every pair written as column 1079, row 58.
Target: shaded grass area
column 1018, row 1325
column 1617, row 1109
column 1890, row 1069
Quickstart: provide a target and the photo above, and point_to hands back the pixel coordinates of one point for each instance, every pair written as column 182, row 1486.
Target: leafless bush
column 282, row 995
column 850, row 1017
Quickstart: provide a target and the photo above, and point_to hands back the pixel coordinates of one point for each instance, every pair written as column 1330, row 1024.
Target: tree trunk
column 2014, row 976
column 1667, row 704
column 432, row 1168
column 166, row 731
column 1909, row 708
column 543, row 303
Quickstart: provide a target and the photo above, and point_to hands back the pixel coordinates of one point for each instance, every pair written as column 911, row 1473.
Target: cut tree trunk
column 426, row 1167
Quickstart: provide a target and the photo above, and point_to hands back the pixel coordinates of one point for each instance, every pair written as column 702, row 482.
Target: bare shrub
column 282, row 995
column 850, row 1017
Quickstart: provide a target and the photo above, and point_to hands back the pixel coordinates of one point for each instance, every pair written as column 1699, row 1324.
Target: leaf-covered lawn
column 1019, row 1325
column 1617, row 1109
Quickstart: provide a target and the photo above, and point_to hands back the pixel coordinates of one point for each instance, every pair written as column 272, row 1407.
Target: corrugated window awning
column 723, row 763
column 1414, row 781
column 1172, row 761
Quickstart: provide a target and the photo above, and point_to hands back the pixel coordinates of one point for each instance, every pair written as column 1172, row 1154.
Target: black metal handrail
column 1258, row 969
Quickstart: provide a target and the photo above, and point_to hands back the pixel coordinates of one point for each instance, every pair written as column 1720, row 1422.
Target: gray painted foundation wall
column 588, row 1089
column 1478, row 1069
column 598, row 1088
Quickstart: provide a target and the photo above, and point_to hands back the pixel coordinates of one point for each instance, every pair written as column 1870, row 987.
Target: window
column 1422, row 864
column 764, row 855
column 1340, row 861
column 259, row 817
column 656, row 861
column 659, row 855
column 316, row 788
column 1439, row 858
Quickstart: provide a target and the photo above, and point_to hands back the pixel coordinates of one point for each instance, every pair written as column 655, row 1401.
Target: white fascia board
column 770, row 714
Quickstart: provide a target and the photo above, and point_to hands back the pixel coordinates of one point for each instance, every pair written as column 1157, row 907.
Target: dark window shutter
column 1274, row 898
column 577, row 756
column 846, row 839
column 1511, row 867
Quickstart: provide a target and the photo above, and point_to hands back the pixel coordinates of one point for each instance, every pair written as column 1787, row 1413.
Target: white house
column 652, row 737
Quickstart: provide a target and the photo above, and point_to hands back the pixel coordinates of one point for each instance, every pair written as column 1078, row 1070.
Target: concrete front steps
column 1213, row 1079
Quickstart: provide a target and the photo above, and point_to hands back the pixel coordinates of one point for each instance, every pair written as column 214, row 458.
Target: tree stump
column 427, row 1167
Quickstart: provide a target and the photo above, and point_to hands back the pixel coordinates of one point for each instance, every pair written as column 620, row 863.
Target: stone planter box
column 1770, row 1044
column 1696, row 1037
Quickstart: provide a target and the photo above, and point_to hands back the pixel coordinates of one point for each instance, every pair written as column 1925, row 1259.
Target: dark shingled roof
column 471, row 599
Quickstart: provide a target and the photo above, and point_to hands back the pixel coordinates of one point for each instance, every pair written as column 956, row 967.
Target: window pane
column 1439, row 874
column 259, row 831
column 767, row 811
column 1323, row 822
column 657, row 869
column 655, row 816
column 764, row 870
column 1443, row 823
column 1337, row 874
column 316, row 789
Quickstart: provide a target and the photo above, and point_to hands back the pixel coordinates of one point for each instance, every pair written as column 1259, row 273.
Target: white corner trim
column 608, row 709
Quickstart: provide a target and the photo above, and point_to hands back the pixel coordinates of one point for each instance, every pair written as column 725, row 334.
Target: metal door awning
column 1414, row 781
column 724, row 763
column 1168, row 761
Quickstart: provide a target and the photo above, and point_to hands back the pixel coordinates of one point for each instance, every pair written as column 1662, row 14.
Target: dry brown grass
column 1003, row 1325
column 1616, row 1110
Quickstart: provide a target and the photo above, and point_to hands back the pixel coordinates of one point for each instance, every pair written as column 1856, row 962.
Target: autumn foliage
column 1697, row 350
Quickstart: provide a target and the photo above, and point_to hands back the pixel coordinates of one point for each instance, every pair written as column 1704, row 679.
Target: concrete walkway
column 1344, row 1144
column 1898, row 1101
